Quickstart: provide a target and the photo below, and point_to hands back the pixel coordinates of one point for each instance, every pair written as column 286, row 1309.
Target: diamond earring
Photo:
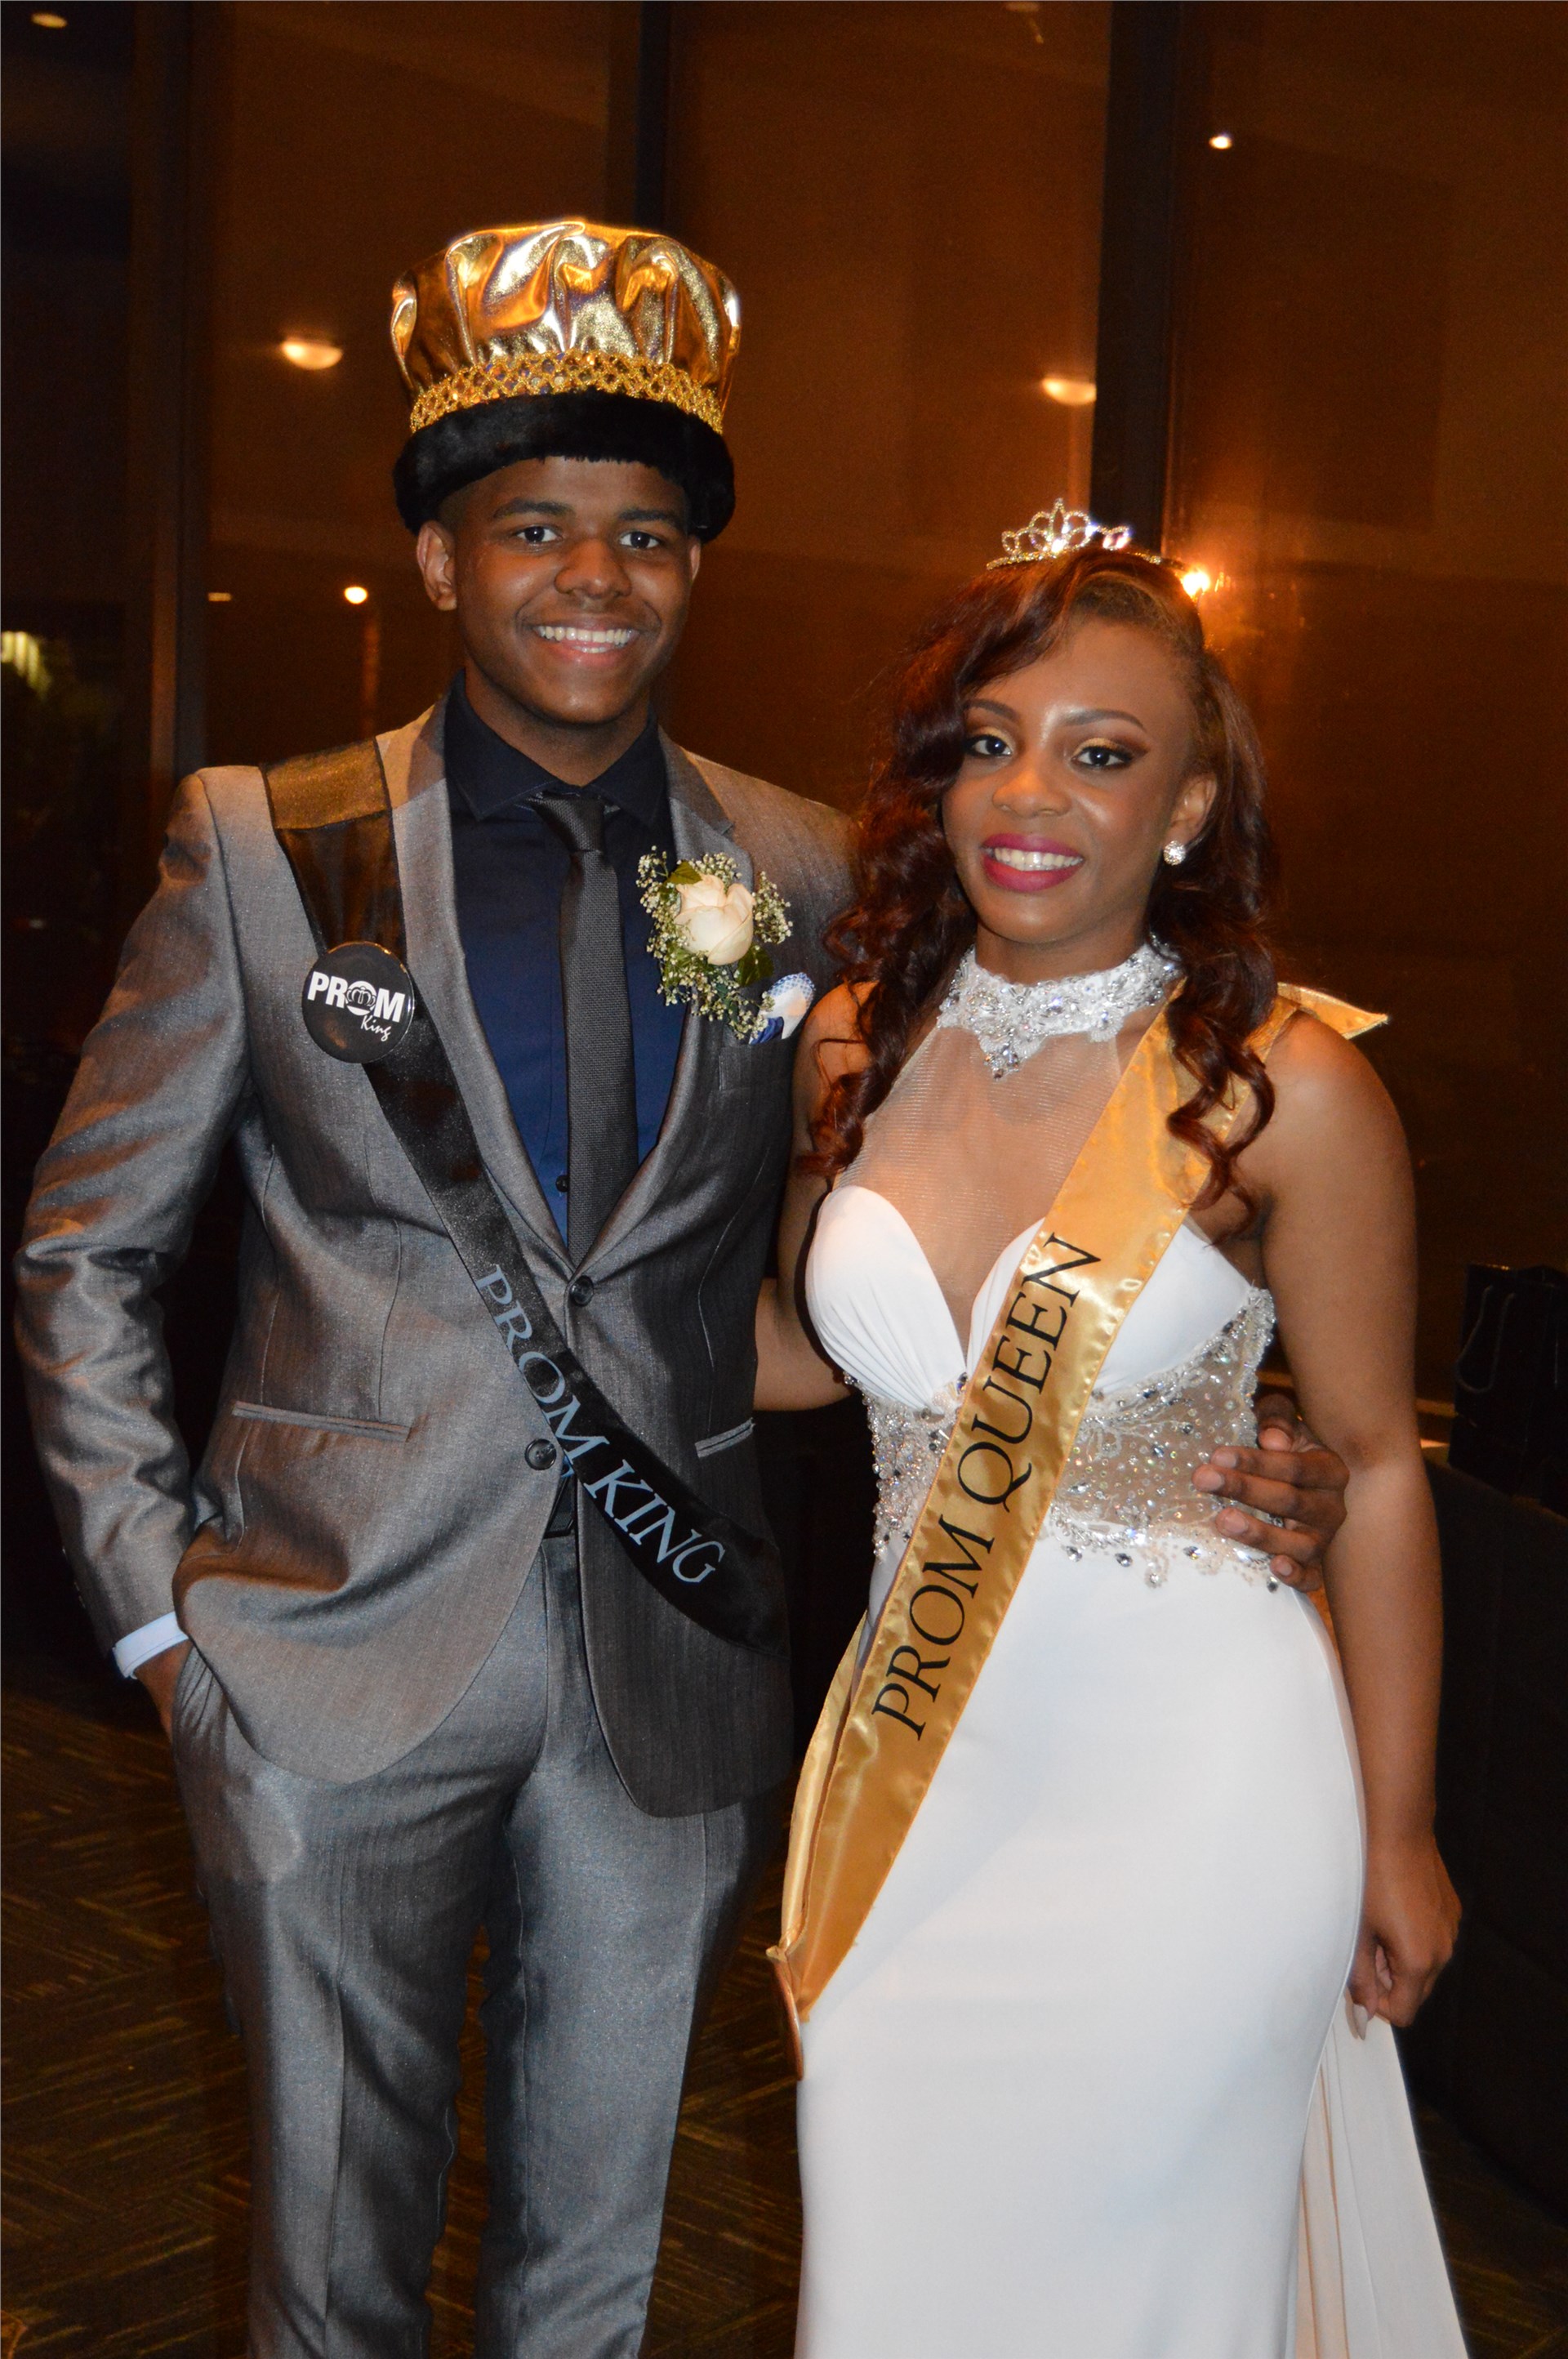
column 1175, row 851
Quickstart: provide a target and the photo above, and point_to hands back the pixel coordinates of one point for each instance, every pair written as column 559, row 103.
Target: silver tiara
column 1053, row 532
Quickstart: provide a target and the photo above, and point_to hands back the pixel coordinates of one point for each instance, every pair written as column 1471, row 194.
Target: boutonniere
column 710, row 938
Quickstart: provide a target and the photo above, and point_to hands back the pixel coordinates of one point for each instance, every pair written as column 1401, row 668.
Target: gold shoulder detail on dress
column 1337, row 1014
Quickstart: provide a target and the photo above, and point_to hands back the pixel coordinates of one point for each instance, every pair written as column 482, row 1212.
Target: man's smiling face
column 571, row 580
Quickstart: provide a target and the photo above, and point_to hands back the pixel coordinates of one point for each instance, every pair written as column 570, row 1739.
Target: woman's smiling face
column 1076, row 772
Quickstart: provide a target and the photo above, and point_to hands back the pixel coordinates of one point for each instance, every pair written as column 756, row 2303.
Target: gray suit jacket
column 357, row 1532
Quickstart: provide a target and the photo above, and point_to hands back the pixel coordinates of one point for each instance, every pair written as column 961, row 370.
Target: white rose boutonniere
column 708, row 936
column 717, row 920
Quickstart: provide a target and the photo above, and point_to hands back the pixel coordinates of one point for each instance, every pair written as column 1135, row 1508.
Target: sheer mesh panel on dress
column 973, row 1162
column 970, row 1160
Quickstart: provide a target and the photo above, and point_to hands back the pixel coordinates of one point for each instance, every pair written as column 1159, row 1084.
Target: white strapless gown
column 1086, row 2086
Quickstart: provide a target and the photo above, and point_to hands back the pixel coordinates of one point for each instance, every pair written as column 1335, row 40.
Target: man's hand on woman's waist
column 1290, row 1478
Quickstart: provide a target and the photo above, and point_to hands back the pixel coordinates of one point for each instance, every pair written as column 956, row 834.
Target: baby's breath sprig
column 714, row 987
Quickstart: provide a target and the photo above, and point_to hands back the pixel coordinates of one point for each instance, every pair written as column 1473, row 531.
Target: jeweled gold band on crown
column 572, row 372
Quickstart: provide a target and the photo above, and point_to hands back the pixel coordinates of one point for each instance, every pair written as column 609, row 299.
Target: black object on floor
column 1511, row 1383
column 1491, row 2047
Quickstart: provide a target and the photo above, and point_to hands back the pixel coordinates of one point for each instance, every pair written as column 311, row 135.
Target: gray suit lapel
column 700, row 824
column 416, row 774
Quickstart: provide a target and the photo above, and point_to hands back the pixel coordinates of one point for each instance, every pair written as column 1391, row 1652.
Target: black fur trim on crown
column 453, row 451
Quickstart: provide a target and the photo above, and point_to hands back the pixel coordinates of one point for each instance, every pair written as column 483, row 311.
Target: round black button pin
column 358, row 1001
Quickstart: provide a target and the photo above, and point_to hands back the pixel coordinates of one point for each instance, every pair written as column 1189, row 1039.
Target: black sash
column 333, row 815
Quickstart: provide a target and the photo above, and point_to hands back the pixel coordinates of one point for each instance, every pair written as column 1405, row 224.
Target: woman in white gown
column 1102, row 2066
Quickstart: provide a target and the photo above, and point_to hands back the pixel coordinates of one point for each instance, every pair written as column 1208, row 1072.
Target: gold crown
column 1053, row 532
column 566, row 307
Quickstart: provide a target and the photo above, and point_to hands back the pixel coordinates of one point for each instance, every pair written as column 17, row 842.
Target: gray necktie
column 601, row 1097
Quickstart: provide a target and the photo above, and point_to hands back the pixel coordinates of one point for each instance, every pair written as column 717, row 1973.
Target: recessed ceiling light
column 220, row 597
column 356, row 595
column 1071, row 391
column 50, row 20
column 1221, row 139
column 310, row 351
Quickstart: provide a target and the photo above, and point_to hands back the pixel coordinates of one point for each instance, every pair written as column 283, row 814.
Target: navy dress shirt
column 508, row 872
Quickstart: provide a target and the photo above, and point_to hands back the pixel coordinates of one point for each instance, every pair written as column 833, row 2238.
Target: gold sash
column 883, row 1730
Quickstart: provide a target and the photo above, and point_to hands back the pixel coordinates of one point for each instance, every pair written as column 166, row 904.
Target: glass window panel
column 351, row 141
column 908, row 199
column 66, row 287
column 1368, row 458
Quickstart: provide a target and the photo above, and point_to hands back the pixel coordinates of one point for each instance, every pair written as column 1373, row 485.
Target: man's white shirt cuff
column 139, row 1647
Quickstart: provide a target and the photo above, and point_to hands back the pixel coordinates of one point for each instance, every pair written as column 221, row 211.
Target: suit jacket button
column 540, row 1454
column 579, row 1291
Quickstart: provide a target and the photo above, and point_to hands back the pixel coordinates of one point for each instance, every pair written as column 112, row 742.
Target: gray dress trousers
column 343, row 1916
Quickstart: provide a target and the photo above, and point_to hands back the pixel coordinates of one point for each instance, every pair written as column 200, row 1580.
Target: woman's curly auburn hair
column 910, row 921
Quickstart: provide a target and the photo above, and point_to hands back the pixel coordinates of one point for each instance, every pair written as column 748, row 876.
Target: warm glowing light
column 356, row 595
column 1194, row 582
column 20, row 653
column 220, row 597
column 1071, row 391
column 310, row 351
column 50, row 21
column 1221, row 139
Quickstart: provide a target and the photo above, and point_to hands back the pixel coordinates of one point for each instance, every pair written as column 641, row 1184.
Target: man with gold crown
column 467, row 1616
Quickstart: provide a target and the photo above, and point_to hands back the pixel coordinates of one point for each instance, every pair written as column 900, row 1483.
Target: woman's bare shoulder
column 1316, row 1069
column 1327, row 1098
column 839, row 1010
column 830, row 1040
column 833, row 1027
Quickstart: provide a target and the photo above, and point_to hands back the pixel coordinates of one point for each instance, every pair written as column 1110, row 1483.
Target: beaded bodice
column 915, row 1246
column 1126, row 1493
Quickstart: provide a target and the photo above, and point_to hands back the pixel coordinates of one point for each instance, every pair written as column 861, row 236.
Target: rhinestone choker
column 1009, row 1021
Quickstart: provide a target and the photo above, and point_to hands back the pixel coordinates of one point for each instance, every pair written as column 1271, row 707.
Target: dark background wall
column 1373, row 348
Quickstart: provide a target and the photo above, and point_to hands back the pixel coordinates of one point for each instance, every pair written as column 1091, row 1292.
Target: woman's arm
column 791, row 1371
column 1339, row 1254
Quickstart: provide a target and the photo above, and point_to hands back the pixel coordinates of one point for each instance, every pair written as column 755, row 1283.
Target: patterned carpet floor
column 125, row 2154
